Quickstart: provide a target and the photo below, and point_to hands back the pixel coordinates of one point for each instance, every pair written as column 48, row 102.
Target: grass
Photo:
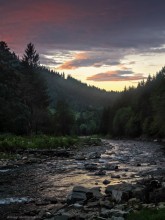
column 148, row 214
column 90, row 141
column 10, row 144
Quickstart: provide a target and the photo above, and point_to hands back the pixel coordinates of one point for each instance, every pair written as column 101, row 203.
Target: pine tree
column 34, row 88
column 31, row 57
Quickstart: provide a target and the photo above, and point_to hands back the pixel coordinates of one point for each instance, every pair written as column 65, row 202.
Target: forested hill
column 36, row 100
column 139, row 111
column 77, row 94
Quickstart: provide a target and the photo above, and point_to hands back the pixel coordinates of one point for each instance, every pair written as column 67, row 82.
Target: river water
column 122, row 161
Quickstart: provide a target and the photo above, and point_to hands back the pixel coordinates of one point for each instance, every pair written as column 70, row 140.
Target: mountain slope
column 79, row 95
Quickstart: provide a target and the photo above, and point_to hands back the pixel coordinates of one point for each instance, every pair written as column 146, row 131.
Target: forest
column 36, row 100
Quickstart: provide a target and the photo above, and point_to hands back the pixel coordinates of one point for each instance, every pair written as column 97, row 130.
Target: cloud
column 83, row 25
column 117, row 75
column 95, row 58
column 103, row 31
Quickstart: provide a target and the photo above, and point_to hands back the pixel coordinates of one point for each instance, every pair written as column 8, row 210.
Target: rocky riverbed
column 98, row 182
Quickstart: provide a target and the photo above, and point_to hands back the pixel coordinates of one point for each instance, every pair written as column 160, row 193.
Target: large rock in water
column 81, row 194
column 157, row 195
column 120, row 192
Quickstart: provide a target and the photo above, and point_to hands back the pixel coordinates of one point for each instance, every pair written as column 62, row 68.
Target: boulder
column 157, row 195
column 81, row 194
column 74, row 197
column 90, row 166
column 120, row 192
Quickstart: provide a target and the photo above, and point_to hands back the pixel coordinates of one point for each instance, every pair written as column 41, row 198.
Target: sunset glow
column 105, row 43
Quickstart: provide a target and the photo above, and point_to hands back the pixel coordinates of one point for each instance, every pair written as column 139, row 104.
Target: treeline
column 23, row 93
column 36, row 100
column 79, row 95
column 139, row 111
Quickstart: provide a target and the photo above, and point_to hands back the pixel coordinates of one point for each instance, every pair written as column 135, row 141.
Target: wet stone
column 115, row 176
column 106, row 182
column 91, row 166
column 100, row 173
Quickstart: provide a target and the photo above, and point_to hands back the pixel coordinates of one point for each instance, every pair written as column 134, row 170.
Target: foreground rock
column 82, row 195
column 119, row 200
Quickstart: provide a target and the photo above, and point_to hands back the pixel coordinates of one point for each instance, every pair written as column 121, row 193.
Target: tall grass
column 11, row 143
column 148, row 214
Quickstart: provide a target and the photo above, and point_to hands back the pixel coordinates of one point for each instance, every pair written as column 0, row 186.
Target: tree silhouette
column 31, row 57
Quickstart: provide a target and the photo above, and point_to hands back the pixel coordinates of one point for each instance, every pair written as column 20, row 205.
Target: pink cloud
column 117, row 75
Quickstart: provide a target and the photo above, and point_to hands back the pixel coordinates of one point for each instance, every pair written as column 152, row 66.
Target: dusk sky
column 107, row 43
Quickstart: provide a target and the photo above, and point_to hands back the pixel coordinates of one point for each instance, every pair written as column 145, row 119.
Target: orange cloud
column 117, row 75
column 73, row 64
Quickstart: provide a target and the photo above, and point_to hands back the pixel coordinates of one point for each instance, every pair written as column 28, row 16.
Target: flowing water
column 123, row 161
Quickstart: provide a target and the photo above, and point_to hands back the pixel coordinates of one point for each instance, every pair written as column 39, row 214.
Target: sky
column 106, row 43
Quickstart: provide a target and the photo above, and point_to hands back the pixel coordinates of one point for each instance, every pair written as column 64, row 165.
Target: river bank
column 47, row 185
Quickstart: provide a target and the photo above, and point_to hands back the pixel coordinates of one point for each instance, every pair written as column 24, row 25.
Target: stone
column 163, row 184
column 96, row 192
column 93, row 204
column 74, row 197
column 80, row 157
column 157, row 195
column 161, row 205
column 117, row 195
column 118, row 213
column 106, row 182
column 106, row 204
column 80, row 189
column 139, row 193
column 133, row 201
column 154, row 184
column 77, row 206
column 42, row 203
column 82, row 194
column 120, row 206
column 94, row 155
column 52, row 200
column 111, row 167
column 100, row 173
column 120, row 192
column 91, row 166
column 115, row 176
column 106, row 213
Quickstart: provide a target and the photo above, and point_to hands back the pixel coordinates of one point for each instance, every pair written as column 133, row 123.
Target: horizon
column 108, row 44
